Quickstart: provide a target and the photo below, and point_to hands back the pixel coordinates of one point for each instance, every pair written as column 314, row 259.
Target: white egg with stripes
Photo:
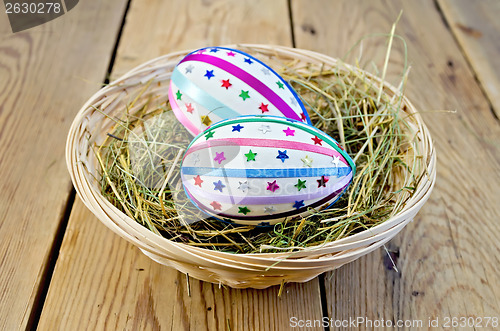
column 216, row 83
column 261, row 170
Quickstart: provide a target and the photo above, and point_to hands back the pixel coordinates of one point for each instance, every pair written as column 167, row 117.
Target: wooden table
column 61, row 269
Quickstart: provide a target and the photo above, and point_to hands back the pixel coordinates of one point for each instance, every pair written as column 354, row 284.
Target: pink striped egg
column 261, row 170
column 216, row 83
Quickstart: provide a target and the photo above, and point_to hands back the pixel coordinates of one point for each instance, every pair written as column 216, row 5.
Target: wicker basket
column 235, row 270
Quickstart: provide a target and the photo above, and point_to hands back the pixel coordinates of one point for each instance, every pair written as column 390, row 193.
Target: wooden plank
column 475, row 25
column 45, row 75
column 194, row 24
column 103, row 282
column 447, row 258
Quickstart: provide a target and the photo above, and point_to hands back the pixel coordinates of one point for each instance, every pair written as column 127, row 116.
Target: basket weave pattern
column 151, row 79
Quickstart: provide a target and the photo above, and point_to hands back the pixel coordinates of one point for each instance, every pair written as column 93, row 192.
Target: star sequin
column 265, row 128
column 317, row 141
column 231, row 53
column 248, row 60
column 298, row 204
column 219, row 157
column 206, row 120
column 216, row 205
column 189, row 108
column 272, row 186
column 237, row 128
column 243, row 186
column 289, row 132
column 264, row 108
column 214, row 50
column 282, row 156
column 265, row 71
column 293, row 101
column 250, row 156
column 322, row 181
column 178, row 94
column 269, row 209
column 303, row 117
column 243, row 210
column 189, row 69
column 226, row 83
column 244, row 95
column 196, row 158
column 198, row 180
column 280, row 85
column 336, row 160
column 201, row 51
column 300, row 184
column 307, row 161
column 209, row 74
column 209, row 135
column 218, row 186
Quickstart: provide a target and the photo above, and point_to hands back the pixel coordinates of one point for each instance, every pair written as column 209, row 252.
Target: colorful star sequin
column 250, row 156
column 269, row 209
column 289, row 132
column 237, row 127
column 197, row 180
column 265, row 128
column 206, row 120
column 244, row 95
column 178, row 95
column 272, row 186
column 336, row 160
column 219, row 157
column 248, row 60
column 218, row 186
column 216, row 205
column 243, row 186
column 307, row 161
column 282, row 156
column 300, row 184
column 298, row 204
column 209, row 135
column 209, row 74
column 264, row 108
column 243, row 210
column 317, row 141
column 280, row 85
column 226, row 84
column 322, row 181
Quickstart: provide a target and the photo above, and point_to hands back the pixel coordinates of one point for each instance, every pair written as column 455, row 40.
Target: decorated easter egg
column 261, row 170
column 212, row 84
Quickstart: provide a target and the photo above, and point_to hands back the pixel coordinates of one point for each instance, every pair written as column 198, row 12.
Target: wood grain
column 448, row 257
column 102, row 282
column 475, row 25
column 45, row 74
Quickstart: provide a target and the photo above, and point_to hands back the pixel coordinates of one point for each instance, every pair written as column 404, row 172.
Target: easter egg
column 212, row 84
column 261, row 170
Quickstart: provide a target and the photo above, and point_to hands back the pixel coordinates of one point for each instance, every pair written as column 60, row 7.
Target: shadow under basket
column 94, row 121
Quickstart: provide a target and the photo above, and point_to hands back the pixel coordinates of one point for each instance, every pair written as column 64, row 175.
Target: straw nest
column 125, row 145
